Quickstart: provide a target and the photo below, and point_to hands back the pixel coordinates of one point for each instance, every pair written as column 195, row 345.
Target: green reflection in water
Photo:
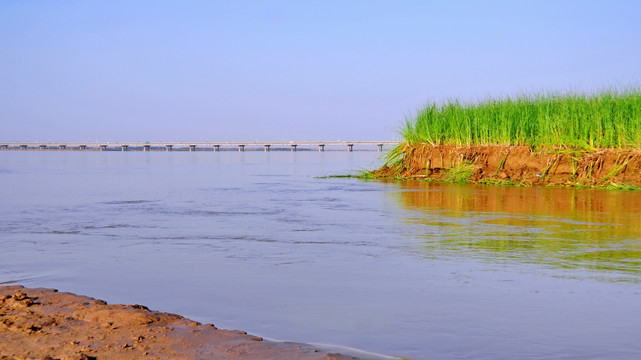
column 569, row 228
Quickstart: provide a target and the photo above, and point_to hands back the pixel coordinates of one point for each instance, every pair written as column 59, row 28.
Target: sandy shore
column 43, row 324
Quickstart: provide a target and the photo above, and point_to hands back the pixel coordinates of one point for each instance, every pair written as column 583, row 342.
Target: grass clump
column 460, row 173
column 607, row 119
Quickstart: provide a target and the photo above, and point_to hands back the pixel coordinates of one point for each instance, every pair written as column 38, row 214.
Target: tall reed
column 607, row 119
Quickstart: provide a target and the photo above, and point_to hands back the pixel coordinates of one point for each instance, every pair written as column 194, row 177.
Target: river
column 261, row 241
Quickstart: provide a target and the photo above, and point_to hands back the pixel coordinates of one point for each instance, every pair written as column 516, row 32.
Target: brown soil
column 518, row 164
column 46, row 324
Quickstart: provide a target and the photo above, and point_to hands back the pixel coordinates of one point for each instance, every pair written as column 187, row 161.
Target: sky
column 325, row 70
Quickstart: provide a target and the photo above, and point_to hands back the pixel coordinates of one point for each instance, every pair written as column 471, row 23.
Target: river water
column 256, row 241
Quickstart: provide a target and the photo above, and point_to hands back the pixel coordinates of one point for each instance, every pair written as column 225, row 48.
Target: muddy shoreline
column 517, row 165
column 40, row 323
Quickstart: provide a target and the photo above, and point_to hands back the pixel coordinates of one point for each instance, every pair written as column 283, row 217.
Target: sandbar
column 40, row 323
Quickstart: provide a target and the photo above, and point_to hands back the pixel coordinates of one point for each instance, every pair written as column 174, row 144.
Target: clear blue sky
column 290, row 70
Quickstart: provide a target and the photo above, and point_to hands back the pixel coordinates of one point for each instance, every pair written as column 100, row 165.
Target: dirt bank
column 46, row 324
column 517, row 165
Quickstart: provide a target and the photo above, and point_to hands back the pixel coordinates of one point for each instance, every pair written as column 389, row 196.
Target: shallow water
column 255, row 241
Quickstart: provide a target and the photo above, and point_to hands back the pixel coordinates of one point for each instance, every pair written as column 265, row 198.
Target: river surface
column 256, row 241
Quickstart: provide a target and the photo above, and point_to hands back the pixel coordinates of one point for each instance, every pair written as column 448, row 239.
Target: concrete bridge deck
column 191, row 146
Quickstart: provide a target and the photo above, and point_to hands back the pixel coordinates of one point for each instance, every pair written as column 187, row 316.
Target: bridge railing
column 196, row 146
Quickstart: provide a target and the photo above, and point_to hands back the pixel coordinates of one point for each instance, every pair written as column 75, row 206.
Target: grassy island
column 567, row 139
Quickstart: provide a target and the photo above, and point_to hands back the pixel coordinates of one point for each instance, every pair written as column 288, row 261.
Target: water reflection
column 570, row 228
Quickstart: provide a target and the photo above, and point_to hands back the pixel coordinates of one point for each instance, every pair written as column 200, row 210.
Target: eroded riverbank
column 520, row 165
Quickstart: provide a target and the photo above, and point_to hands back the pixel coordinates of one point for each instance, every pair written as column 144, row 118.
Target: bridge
column 192, row 146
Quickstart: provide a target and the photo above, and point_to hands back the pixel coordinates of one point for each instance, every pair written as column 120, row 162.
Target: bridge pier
column 103, row 147
column 380, row 147
column 43, row 147
column 350, row 147
column 124, row 147
column 82, row 147
column 321, row 147
column 216, row 147
column 241, row 147
column 62, row 146
column 23, row 147
column 294, row 147
column 169, row 147
column 192, row 147
column 146, row 147
column 267, row 147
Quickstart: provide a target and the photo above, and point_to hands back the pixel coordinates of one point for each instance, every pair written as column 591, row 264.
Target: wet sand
column 39, row 323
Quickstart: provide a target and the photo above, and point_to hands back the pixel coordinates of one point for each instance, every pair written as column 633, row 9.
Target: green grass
column 460, row 173
column 607, row 119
